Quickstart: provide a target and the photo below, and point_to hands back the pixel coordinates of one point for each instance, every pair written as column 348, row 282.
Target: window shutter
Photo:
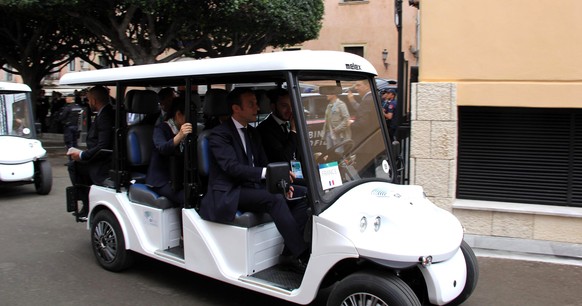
column 522, row 155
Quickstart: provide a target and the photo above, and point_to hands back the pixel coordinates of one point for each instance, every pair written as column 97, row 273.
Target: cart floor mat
column 283, row 276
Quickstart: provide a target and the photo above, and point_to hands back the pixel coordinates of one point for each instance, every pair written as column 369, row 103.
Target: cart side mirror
column 278, row 177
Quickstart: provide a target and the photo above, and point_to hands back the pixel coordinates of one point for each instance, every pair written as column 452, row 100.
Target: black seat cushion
column 142, row 194
column 250, row 219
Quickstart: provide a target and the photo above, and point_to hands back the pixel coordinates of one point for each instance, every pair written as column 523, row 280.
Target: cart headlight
column 363, row 224
column 377, row 223
column 425, row 260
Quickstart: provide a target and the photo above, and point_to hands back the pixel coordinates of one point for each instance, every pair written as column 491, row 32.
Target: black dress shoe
column 81, row 214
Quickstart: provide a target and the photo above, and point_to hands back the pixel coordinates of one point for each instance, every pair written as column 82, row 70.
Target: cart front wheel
column 472, row 274
column 373, row 289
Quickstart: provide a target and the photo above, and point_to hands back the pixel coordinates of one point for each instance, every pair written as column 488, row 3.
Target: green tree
column 36, row 42
column 142, row 30
column 41, row 36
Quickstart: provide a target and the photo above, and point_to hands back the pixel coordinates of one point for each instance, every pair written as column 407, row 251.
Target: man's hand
column 75, row 155
column 185, row 129
column 351, row 97
column 290, row 192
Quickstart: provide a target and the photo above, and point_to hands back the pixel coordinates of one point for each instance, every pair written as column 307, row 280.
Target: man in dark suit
column 236, row 173
column 279, row 135
column 278, row 130
column 361, row 127
column 100, row 136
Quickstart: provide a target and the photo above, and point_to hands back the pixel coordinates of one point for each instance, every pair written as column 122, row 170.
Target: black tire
column 108, row 243
column 43, row 177
column 472, row 274
column 372, row 288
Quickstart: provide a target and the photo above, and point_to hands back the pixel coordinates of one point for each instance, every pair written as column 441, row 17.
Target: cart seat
column 139, row 136
column 142, row 194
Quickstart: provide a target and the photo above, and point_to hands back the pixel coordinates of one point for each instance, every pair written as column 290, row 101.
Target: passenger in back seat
column 168, row 138
column 166, row 95
column 90, row 167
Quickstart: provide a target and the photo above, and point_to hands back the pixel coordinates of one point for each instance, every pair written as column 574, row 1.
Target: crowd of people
column 49, row 109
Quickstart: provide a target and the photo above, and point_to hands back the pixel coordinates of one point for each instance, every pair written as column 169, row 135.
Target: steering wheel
column 331, row 153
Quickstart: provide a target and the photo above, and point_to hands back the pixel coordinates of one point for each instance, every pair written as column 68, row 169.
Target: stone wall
column 433, row 151
column 433, row 165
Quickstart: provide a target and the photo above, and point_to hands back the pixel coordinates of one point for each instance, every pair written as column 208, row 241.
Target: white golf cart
column 22, row 157
column 373, row 242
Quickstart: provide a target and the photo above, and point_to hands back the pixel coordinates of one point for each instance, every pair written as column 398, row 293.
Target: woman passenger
column 168, row 144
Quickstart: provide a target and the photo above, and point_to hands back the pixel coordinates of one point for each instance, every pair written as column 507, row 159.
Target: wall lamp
column 385, row 58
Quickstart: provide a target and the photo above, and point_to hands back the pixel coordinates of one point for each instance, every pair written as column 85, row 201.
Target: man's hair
column 166, row 92
column 100, row 93
column 275, row 94
column 233, row 97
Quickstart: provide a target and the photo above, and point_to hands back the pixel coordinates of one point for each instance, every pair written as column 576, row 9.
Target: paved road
column 46, row 259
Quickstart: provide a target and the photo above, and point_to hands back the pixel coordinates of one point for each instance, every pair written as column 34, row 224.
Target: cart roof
column 13, row 87
column 234, row 65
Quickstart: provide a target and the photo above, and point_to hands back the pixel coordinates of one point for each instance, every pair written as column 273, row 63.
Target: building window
column 72, row 65
column 520, row 155
column 357, row 50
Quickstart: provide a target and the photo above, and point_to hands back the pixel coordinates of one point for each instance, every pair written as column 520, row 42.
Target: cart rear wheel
column 43, row 177
column 372, row 289
column 108, row 242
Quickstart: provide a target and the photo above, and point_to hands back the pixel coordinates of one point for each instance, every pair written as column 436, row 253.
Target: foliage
column 37, row 41
column 41, row 36
column 143, row 29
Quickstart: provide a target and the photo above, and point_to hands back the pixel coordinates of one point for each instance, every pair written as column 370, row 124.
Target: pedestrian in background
column 42, row 110
column 57, row 104
column 69, row 118
column 336, row 127
column 389, row 103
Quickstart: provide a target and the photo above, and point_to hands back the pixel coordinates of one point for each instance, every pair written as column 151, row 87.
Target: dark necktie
column 248, row 145
column 285, row 128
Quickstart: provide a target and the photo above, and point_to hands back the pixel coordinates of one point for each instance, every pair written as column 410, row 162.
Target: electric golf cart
column 23, row 160
column 373, row 242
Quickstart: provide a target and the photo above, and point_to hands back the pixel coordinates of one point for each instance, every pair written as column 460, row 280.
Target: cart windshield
column 16, row 115
column 347, row 141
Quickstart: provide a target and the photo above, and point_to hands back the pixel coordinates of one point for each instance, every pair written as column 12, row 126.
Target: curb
column 526, row 249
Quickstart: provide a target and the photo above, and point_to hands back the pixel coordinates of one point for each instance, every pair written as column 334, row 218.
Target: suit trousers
column 286, row 217
column 79, row 175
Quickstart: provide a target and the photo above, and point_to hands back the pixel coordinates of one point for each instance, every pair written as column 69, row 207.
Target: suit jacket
column 279, row 146
column 230, row 170
column 159, row 169
column 339, row 119
column 365, row 112
column 100, row 136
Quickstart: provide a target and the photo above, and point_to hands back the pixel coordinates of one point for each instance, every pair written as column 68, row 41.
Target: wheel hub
column 363, row 299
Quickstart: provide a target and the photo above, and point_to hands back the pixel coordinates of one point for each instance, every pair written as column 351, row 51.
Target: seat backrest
column 215, row 105
column 204, row 154
column 140, row 135
column 263, row 101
